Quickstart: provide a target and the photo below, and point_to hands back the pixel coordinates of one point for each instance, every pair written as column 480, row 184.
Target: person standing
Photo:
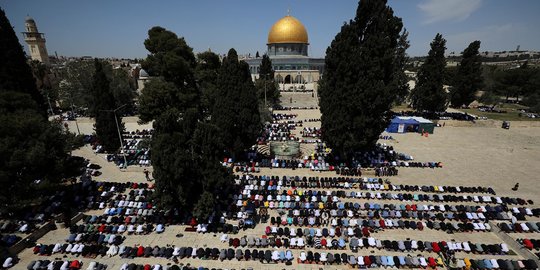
column 146, row 174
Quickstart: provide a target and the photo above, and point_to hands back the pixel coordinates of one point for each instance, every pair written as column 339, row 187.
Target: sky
column 105, row 28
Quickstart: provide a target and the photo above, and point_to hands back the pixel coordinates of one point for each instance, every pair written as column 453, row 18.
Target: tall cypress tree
column 236, row 112
column 13, row 75
column 266, row 83
column 206, row 73
column 469, row 77
column 429, row 94
column 31, row 147
column 362, row 78
column 104, row 106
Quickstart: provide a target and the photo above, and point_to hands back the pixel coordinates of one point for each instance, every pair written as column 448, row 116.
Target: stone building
column 35, row 41
column 287, row 47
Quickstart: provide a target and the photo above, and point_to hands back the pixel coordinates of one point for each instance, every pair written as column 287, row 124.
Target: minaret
column 35, row 41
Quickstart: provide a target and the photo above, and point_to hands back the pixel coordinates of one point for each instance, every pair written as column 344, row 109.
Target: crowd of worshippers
column 135, row 148
column 311, row 205
column 289, row 108
column 81, row 196
column 283, row 116
column 134, row 212
column 311, row 132
column 277, row 131
column 438, row 115
column 137, row 153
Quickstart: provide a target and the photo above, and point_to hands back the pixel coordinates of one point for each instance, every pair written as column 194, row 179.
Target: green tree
column 206, row 73
column 468, row 78
column 75, row 86
column 172, row 60
column 13, row 75
column 186, row 147
column 362, row 78
column 123, row 92
column 170, row 57
column 33, row 151
column 429, row 94
column 176, row 173
column 514, row 82
column 236, row 112
column 44, row 83
column 267, row 89
column 104, row 106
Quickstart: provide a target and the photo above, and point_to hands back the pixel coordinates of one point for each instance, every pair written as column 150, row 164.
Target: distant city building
column 504, row 54
column 288, row 46
column 35, row 41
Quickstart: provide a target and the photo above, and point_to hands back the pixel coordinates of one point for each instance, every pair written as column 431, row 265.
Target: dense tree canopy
column 170, row 57
column 429, row 94
column 362, row 78
column 468, row 78
column 104, row 106
column 186, row 147
column 75, row 87
column 522, row 84
column 236, row 112
column 33, row 151
column 206, row 73
column 172, row 60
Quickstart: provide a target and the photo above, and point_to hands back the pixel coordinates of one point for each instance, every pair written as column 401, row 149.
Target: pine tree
column 33, row 151
column 429, row 94
column 469, row 77
column 172, row 60
column 362, row 78
column 236, row 111
column 186, row 147
column 104, row 108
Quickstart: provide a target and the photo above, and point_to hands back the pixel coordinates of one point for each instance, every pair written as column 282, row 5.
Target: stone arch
column 279, row 78
column 287, row 79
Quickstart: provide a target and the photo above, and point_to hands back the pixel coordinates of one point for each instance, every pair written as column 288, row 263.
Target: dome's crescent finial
column 289, row 11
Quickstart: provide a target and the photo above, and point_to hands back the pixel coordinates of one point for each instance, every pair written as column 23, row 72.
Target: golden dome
column 288, row 30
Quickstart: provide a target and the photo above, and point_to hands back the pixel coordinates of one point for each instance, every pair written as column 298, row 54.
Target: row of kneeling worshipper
column 133, row 266
column 304, row 196
column 522, row 227
column 378, row 225
column 530, row 243
column 354, row 243
column 64, row 265
column 178, row 252
column 117, row 229
column 364, row 183
column 410, row 261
